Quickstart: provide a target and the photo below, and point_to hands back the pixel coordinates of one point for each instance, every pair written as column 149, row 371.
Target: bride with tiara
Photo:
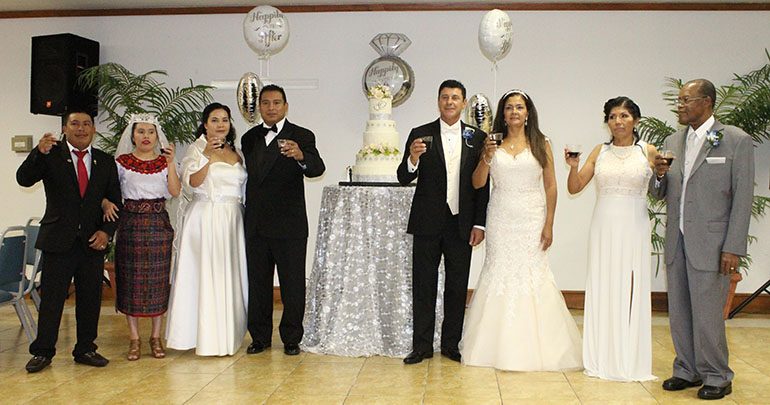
column 517, row 319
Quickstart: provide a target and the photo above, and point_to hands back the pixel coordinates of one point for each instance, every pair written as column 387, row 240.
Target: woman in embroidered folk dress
column 617, row 341
column 144, row 237
column 210, row 290
column 517, row 319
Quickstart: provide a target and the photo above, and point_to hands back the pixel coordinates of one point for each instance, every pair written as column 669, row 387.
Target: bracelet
column 488, row 162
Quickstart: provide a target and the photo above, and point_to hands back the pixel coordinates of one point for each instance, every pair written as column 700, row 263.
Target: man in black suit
column 447, row 218
column 73, row 236
column 276, row 219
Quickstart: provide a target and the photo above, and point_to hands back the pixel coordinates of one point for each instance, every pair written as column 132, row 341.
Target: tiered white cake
column 378, row 160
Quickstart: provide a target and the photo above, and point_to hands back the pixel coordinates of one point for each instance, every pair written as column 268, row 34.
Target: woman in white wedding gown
column 209, row 293
column 617, row 337
column 517, row 319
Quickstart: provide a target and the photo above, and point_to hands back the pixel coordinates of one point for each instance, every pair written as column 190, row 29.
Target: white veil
column 126, row 144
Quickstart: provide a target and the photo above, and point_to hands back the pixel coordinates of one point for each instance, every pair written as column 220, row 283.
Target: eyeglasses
column 687, row 99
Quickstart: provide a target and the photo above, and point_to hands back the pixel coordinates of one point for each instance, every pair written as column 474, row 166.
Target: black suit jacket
column 430, row 197
column 67, row 215
column 275, row 189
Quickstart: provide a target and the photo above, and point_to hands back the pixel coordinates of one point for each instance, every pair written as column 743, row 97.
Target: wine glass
column 573, row 150
column 668, row 156
column 497, row 137
column 427, row 140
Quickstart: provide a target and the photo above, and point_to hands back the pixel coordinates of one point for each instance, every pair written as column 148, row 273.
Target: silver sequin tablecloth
column 359, row 294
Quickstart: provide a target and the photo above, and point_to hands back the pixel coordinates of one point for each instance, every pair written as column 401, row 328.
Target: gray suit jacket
column 718, row 199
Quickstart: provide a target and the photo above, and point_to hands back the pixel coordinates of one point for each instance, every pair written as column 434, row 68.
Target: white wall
column 569, row 62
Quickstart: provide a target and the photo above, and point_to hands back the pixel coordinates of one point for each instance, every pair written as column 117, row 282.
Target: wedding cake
column 379, row 158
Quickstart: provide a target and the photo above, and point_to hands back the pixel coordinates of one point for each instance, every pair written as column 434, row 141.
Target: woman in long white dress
column 617, row 340
column 517, row 319
column 210, row 288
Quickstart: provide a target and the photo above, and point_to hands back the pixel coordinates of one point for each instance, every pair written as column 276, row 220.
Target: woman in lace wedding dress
column 617, row 341
column 517, row 319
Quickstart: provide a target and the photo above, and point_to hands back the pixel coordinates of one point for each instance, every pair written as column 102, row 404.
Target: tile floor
column 273, row 378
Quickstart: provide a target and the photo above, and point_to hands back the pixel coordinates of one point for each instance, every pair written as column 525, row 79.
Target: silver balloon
column 495, row 35
column 478, row 112
column 248, row 97
column 266, row 30
column 389, row 69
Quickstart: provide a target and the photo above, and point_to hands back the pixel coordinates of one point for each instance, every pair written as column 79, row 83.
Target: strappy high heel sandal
column 134, row 346
column 156, row 345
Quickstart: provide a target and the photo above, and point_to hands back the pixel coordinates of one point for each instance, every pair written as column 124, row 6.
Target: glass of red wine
column 573, row 150
column 668, row 156
column 497, row 137
column 427, row 140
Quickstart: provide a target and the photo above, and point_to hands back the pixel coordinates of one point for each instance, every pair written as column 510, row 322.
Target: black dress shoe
column 712, row 392
column 91, row 359
column 37, row 363
column 451, row 354
column 678, row 384
column 291, row 349
column 417, row 356
column 256, row 347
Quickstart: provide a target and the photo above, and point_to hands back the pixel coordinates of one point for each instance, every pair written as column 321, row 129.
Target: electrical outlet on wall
column 21, row 143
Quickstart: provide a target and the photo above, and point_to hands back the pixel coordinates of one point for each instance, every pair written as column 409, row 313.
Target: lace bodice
column 623, row 170
column 528, row 176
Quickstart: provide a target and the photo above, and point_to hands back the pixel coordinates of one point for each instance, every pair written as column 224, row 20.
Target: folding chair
column 13, row 280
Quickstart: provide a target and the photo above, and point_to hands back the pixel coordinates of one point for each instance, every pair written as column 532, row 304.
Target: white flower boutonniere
column 714, row 138
column 468, row 135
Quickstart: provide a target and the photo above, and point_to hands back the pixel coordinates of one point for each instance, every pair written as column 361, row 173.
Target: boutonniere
column 714, row 138
column 467, row 135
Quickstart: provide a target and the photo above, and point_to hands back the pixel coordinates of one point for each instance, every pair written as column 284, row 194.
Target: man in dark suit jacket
column 73, row 236
column 447, row 218
column 276, row 219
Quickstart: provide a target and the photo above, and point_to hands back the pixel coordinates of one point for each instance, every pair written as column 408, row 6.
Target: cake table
column 359, row 293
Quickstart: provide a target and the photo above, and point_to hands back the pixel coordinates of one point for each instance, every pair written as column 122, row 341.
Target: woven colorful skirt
column 143, row 258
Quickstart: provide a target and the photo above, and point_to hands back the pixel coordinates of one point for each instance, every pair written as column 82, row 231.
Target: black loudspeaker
column 57, row 61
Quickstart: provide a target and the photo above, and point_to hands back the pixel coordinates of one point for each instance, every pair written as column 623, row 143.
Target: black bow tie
column 274, row 128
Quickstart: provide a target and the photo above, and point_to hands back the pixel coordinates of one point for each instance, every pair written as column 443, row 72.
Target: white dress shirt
column 270, row 134
column 449, row 135
column 86, row 158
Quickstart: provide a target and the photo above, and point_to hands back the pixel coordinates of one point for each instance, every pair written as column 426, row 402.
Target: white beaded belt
column 623, row 192
column 218, row 199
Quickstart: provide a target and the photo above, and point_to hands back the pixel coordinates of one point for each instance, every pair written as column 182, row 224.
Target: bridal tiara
column 515, row 91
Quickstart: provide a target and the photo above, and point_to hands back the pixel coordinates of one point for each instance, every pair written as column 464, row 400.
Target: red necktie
column 82, row 172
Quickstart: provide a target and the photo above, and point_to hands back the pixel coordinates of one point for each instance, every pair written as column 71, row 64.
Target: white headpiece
column 515, row 91
column 127, row 146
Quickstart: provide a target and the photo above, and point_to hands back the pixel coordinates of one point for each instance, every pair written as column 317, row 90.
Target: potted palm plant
column 121, row 93
column 745, row 103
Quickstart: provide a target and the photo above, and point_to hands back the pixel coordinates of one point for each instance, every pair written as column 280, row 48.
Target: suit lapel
column 465, row 145
column 270, row 152
column 95, row 171
column 67, row 157
column 704, row 148
column 438, row 143
column 681, row 144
